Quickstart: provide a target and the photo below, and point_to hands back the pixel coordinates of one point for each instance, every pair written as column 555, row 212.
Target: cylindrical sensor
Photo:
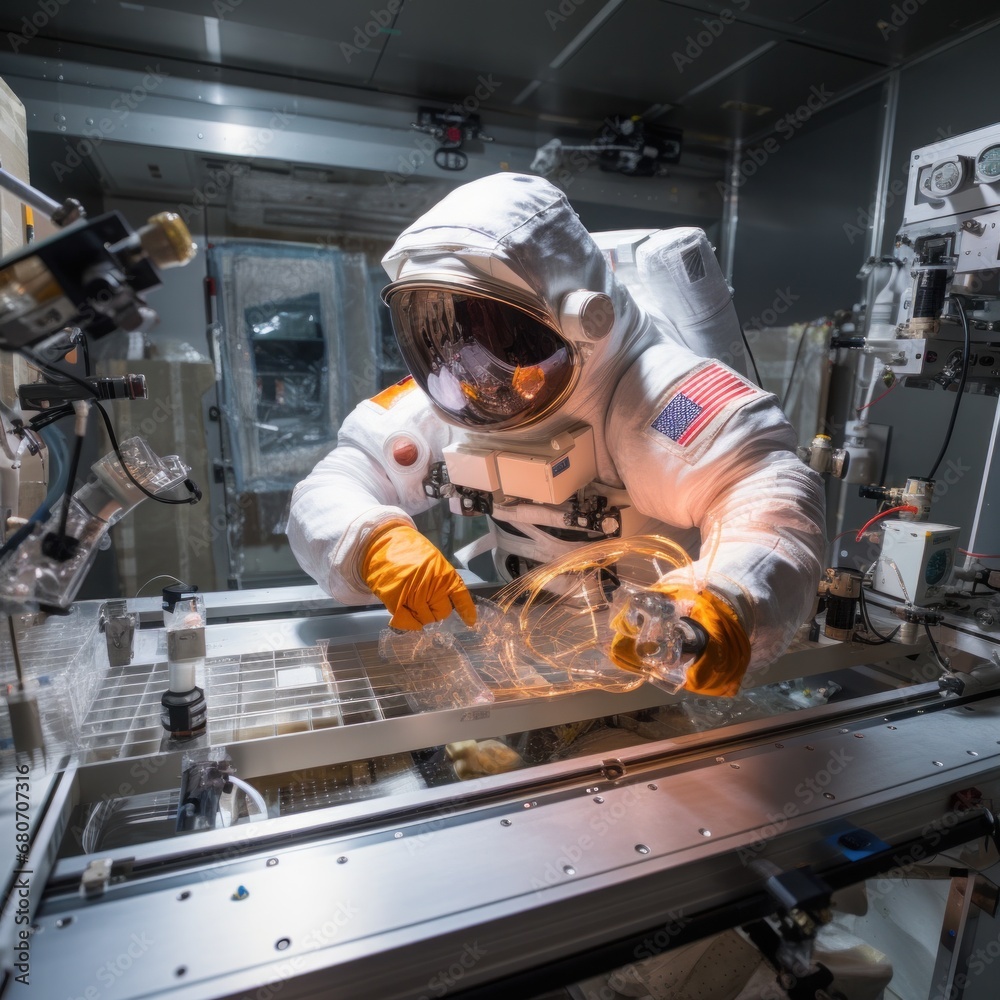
column 842, row 588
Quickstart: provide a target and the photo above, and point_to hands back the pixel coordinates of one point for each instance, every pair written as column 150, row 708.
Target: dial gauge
column 945, row 177
column 988, row 165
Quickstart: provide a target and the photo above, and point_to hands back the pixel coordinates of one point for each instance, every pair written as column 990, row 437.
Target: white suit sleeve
column 374, row 477
column 702, row 447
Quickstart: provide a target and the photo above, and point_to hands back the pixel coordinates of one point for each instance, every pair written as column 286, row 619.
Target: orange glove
column 721, row 665
column 411, row 577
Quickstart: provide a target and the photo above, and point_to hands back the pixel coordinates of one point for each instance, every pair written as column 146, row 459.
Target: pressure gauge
column 945, row 177
column 988, row 165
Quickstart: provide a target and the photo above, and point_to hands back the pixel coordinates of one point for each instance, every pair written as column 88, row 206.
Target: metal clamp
column 118, row 626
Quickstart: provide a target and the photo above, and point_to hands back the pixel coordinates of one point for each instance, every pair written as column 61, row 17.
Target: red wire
column 850, row 531
column 885, row 513
column 877, row 398
column 980, row 555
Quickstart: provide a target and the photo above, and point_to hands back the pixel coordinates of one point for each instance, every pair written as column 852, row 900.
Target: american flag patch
column 697, row 400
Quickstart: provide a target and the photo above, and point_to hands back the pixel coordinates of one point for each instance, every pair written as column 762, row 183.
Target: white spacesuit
column 564, row 412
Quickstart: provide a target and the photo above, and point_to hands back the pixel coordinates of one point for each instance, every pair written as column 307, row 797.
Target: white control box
column 916, row 560
column 550, row 477
column 475, row 468
column 543, row 474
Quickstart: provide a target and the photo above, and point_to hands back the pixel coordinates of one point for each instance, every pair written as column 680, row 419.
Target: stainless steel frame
column 504, row 885
column 524, row 869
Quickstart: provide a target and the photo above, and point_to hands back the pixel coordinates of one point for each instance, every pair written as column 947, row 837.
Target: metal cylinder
column 842, row 588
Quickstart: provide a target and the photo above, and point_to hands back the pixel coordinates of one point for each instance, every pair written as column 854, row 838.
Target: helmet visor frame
column 486, row 362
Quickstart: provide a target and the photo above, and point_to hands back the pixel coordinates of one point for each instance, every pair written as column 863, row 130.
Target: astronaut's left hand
column 719, row 667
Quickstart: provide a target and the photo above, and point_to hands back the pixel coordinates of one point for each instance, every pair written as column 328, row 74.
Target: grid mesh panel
column 249, row 696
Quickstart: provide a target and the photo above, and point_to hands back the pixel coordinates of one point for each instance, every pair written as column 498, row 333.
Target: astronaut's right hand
column 413, row 579
column 713, row 664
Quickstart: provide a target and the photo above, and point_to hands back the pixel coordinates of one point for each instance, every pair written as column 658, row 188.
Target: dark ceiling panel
column 108, row 22
column 785, row 79
column 338, row 21
column 514, row 38
column 337, row 42
column 887, row 28
column 559, row 64
column 316, row 57
column 779, row 10
column 654, row 53
column 764, row 10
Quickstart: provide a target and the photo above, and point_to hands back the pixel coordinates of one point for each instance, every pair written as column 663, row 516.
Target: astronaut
column 542, row 395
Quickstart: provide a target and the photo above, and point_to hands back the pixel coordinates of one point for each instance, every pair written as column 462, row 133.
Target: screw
column 271, row 862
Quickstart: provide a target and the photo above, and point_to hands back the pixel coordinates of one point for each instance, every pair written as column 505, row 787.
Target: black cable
column 961, row 384
column 753, row 360
column 934, row 648
column 61, row 375
column 190, row 484
column 86, row 354
column 882, row 639
column 50, row 416
column 795, row 365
